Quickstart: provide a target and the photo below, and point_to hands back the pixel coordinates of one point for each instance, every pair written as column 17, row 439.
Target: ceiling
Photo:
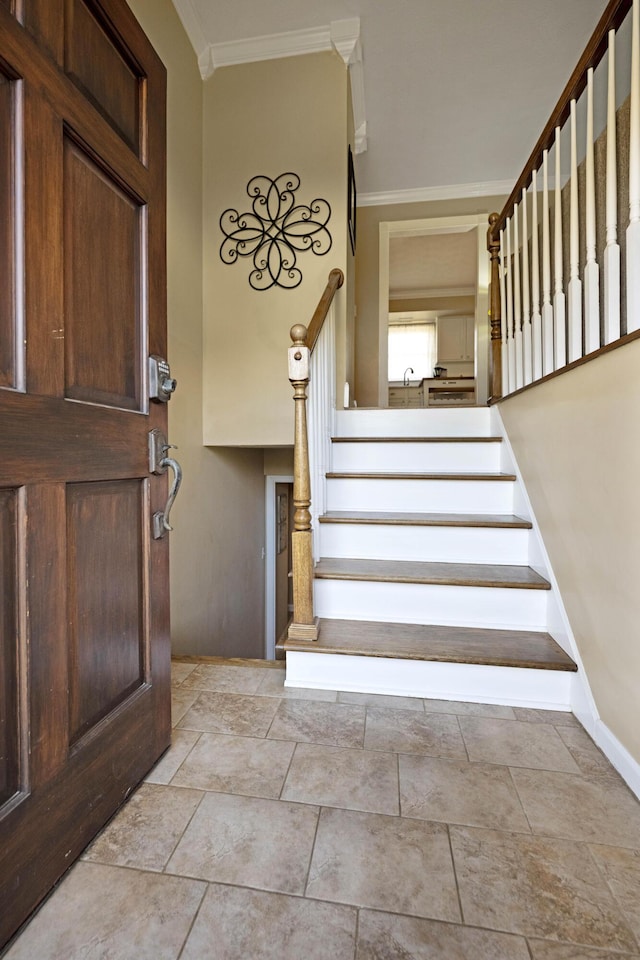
column 442, row 265
column 456, row 91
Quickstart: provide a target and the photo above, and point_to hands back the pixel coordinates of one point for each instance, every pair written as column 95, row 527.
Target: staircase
column 423, row 585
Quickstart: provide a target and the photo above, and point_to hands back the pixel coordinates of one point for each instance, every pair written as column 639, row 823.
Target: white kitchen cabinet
column 456, row 339
column 410, row 396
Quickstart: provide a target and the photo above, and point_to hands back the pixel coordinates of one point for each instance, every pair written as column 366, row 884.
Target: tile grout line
column 193, row 922
column 183, row 761
column 284, row 779
column 522, row 806
column 181, row 837
column 464, row 742
column 313, row 848
column 623, row 912
column 455, row 873
column 356, row 934
column 273, row 719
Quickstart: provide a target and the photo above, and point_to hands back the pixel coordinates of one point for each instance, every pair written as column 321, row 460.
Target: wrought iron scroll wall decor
column 273, row 231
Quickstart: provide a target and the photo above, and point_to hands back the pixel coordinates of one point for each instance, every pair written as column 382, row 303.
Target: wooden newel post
column 304, row 626
column 495, row 312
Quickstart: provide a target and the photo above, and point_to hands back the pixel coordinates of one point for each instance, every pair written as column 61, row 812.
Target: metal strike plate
column 158, row 447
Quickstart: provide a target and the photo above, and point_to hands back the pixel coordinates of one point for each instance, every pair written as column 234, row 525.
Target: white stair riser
column 448, row 544
column 417, row 457
column 474, row 683
column 510, row 609
column 469, row 422
column 426, row 496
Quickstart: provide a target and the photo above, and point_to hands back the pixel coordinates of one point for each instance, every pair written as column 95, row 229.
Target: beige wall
column 462, row 305
column 266, row 119
column 278, row 461
column 367, row 291
column 577, row 443
column 217, row 591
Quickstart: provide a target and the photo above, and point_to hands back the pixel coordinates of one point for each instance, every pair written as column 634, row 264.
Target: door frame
column 429, row 227
column 270, row 638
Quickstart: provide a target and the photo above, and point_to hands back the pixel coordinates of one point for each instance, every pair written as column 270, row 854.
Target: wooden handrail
column 335, row 281
column 611, row 19
column 304, row 623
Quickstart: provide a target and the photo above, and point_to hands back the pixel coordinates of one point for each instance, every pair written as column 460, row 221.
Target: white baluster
column 612, row 249
column 591, row 270
column 559, row 300
column 517, row 302
column 511, row 343
column 547, row 308
column 526, row 301
column 536, row 318
column 503, row 322
column 574, row 300
column 633, row 230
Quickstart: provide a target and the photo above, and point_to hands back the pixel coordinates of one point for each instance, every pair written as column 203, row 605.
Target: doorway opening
column 278, row 582
column 434, row 280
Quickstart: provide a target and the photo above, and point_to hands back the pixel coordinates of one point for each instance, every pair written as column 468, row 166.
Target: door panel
column 106, row 618
column 104, row 69
column 7, row 254
column 9, row 766
column 44, row 20
column 83, row 587
column 43, row 593
column 104, row 289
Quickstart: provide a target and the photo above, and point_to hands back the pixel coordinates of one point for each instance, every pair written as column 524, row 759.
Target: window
column 412, row 345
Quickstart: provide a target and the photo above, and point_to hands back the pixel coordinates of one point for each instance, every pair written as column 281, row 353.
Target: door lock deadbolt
column 161, row 384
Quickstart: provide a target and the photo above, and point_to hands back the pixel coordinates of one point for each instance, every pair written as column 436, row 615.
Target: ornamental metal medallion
column 274, row 230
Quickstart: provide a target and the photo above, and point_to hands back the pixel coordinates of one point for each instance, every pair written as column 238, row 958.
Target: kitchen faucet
column 405, row 382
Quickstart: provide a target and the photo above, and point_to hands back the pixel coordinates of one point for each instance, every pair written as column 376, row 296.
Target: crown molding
column 343, row 36
column 193, row 27
column 294, row 43
column 457, row 191
column 431, row 293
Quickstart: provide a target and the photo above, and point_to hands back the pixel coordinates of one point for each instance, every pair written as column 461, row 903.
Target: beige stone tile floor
column 320, row 825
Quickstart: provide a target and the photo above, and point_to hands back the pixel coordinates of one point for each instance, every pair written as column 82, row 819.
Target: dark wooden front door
column 84, row 640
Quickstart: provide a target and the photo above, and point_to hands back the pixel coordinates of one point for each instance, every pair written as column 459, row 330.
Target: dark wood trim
column 595, row 50
column 416, row 439
column 509, row 576
column 420, row 476
column 608, row 347
column 388, row 518
column 335, row 281
column 445, row 644
column 226, row 661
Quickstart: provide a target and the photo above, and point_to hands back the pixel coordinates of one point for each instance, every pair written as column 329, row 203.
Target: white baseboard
column 583, row 706
column 471, row 683
column 619, row 756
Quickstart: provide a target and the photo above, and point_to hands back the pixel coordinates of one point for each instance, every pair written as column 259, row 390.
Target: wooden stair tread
column 385, row 475
column 411, row 641
column 420, row 571
column 416, row 439
column 426, row 519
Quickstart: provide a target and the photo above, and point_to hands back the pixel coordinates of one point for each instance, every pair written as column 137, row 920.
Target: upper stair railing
column 565, row 282
column 311, row 359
